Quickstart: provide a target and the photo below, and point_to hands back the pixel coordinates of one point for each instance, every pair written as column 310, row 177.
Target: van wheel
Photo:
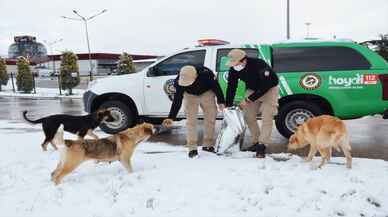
column 124, row 117
column 293, row 114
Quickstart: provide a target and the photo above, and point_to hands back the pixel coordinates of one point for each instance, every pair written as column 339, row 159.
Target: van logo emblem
column 169, row 88
column 310, row 81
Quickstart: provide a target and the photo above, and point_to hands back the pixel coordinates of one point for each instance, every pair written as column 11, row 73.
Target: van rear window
column 307, row 59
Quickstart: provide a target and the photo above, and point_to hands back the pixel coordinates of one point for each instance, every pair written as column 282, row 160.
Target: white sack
column 231, row 137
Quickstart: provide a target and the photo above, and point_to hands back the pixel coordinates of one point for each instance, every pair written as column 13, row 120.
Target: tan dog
column 117, row 147
column 322, row 133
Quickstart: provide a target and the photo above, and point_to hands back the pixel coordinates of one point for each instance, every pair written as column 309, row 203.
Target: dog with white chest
column 119, row 147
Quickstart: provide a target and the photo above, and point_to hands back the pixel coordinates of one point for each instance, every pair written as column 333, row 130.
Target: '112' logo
column 370, row 79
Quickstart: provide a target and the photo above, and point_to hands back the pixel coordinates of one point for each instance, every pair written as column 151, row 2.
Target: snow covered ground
column 40, row 93
column 166, row 183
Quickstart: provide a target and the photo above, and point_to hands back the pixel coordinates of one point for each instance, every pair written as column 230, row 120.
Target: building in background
column 28, row 47
column 102, row 63
column 47, row 65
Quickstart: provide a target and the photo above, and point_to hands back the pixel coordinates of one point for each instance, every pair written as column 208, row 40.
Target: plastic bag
column 231, row 137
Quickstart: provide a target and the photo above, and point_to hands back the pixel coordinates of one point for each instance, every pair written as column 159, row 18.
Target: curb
column 42, row 97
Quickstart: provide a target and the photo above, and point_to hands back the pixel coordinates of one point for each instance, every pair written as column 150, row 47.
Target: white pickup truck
column 148, row 93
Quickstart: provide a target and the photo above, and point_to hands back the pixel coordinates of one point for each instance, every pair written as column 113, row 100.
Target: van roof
column 310, row 41
column 314, row 42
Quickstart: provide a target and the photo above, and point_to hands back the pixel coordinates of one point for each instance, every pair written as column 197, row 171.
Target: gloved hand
column 221, row 107
column 167, row 122
column 244, row 103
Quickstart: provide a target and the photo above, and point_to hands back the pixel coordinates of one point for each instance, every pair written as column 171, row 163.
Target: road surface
column 369, row 135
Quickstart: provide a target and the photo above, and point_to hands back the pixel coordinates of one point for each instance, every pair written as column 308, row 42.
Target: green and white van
column 341, row 78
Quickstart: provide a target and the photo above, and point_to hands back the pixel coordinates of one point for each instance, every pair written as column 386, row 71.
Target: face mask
column 239, row 67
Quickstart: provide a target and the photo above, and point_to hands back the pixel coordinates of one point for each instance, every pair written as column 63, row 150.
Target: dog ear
column 148, row 129
column 122, row 136
column 292, row 138
column 296, row 140
column 100, row 114
column 140, row 121
column 300, row 128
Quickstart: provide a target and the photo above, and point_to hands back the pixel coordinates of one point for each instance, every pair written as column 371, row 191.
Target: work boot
column 260, row 151
column 193, row 153
column 208, row 149
column 252, row 148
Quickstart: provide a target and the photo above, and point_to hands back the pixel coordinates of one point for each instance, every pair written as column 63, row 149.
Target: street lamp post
column 288, row 20
column 50, row 45
column 308, row 29
column 85, row 20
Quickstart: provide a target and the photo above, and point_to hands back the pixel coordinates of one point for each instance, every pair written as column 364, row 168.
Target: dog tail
column 31, row 121
column 68, row 143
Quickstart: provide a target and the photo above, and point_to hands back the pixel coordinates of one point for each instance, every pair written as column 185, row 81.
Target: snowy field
column 166, row 183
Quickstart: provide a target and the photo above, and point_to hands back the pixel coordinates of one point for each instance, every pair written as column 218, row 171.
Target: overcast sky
column 163, row 26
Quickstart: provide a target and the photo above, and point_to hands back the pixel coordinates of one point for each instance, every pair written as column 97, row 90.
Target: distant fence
column 54, row 82
column 13, row 78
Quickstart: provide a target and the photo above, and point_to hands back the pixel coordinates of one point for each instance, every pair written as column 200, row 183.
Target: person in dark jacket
column 262, row 93
column 199, row 88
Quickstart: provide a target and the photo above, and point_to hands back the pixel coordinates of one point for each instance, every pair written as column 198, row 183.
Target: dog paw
column 306, row 159
column 56, row 181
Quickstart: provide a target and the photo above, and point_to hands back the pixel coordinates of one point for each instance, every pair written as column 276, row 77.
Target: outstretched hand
column 167, row 123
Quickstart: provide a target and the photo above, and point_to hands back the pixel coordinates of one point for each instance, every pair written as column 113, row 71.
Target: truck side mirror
column 152, row 71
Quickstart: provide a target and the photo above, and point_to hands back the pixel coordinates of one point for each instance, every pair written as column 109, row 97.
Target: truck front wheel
column 124, row 117
column 293, row 114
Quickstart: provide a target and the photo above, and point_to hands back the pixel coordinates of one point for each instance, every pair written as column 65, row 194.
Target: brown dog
column 322, row 133
column 117, row 147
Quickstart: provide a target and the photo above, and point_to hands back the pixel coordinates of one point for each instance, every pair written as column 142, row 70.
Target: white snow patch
column 166, row 182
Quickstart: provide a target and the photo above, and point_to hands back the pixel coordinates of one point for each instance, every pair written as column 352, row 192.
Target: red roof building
column 102, row 63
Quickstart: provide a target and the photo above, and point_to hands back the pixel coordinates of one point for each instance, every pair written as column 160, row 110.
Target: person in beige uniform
column 198, row 87
column 262, row 94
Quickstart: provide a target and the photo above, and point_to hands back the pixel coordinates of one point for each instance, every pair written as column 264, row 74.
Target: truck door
column 159, row 82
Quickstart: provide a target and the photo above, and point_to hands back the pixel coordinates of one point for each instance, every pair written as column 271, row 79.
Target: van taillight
column 384, row 84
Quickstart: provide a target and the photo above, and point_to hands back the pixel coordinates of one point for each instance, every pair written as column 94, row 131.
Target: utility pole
column 85, row 20
column 50, row 45
column 288, row 20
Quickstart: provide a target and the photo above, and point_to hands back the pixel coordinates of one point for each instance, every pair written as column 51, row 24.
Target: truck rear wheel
column 124, row 117
column 293, row 114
